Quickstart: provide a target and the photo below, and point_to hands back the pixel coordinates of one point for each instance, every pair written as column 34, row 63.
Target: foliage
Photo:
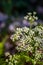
column 9, row 4
column 2, row 59
column 19, row 59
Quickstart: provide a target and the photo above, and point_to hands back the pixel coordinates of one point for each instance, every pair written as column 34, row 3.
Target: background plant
column 2, row 49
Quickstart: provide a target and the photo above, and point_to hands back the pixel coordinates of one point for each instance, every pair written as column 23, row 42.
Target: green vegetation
column 2, row 59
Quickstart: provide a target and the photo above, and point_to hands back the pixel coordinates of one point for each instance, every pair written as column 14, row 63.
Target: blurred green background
column 21, row 7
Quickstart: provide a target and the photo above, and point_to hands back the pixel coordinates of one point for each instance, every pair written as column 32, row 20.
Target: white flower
column 26, row 17
column 34, row 13
column 29, row 13
column 7, row 54
column 25, row 29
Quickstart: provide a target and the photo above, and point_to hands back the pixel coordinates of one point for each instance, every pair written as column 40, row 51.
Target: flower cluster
column 26, row 39
column 28, row 42
column 31, row 17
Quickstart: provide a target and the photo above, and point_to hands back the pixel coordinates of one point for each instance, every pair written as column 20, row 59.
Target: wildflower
column 7, row 54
